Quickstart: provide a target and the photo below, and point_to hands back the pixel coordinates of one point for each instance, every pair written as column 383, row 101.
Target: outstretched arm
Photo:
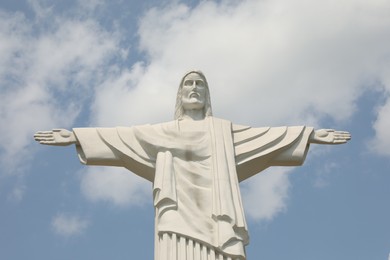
column 58, row 137
column 329, row 136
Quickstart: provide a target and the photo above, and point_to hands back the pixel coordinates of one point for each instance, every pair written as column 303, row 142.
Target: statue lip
column 194, row 95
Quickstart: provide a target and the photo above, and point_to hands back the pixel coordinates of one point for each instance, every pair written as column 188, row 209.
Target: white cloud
column 69, row 225
column 266, row 195
column 115, row 185
column 46, row 73
column 381, row 142
column 322, row 175
column 274, row 55
column 91, row 4
column 17, row 193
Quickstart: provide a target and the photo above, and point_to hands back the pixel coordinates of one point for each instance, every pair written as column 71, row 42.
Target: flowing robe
column 196, row 177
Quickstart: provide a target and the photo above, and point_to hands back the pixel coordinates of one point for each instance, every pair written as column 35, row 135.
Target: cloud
column 272, row 54
column 69, row 225
column 266, row 194
column 49, row 64
column 322, row 175
column 381, row 142
column 17, row 193
column 116, row 186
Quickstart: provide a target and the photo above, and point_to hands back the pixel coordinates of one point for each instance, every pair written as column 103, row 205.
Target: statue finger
column 38, row 137
column 340, row 141
column 341, row 137
column 342, row 132
column 339, row 133
column 44, row 132
column 344, row 136
column 47, row 142
column 42, row 137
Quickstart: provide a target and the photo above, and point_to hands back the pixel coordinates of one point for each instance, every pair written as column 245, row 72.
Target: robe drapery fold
column 196, row 173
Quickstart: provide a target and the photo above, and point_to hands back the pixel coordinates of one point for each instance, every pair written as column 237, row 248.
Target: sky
column 86, row 63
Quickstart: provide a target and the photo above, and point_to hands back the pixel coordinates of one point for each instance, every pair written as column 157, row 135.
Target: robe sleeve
column 92, row 150
column 259, row 148
column 119, row 146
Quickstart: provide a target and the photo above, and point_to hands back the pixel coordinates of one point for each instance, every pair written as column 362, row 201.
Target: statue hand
column 330, row 136
column 58, row 137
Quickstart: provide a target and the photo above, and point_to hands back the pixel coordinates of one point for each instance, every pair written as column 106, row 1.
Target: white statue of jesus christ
column 195, row 163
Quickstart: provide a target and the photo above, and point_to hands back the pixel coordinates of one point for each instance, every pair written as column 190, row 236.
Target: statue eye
column 188, row 83
column 200, row 83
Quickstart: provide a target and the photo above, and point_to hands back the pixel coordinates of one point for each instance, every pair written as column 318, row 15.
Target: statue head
column 187, row 79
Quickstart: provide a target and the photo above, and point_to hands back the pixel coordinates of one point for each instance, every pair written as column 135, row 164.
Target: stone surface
column 195, row 163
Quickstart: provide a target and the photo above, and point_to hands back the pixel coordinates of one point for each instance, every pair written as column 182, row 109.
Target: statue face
column 193, row 92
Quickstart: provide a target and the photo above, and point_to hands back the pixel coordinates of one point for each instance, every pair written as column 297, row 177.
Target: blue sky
column 269, row 63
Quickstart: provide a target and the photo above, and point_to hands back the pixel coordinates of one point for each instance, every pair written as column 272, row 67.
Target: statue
column 195, row 164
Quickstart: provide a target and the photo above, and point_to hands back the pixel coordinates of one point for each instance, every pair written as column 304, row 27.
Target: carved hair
column 179, row 110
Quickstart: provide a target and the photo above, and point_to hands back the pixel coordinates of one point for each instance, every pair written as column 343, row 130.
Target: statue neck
column 194, row 114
